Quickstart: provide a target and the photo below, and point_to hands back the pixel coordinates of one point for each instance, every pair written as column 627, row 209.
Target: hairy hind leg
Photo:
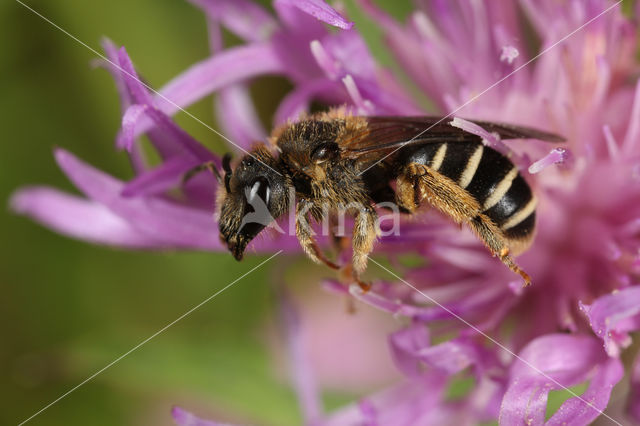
column 419, row 182
column 364, row 236
column 489, row 233
column 305, row 237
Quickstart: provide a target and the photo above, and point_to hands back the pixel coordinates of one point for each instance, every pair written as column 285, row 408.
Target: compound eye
column 324, row 152
column 259, row 188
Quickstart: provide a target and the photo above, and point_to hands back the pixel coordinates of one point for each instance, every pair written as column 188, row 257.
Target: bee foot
column 347, row 276
column 365, row 287
column 526, row 278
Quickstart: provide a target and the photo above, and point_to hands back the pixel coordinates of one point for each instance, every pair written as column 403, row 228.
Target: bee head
column 255, row 194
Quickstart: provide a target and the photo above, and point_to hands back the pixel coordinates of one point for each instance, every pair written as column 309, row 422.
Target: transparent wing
column 388, row 133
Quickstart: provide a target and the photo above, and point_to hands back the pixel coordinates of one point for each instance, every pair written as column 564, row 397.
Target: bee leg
column 209, row 165
column 410, row 189
column 490, row 234
column 420, row 181
column 364, row 236
column 305, row 237
column 506, row 259
column 339, row 242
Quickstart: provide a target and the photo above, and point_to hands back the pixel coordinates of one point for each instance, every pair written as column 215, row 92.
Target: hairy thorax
column 340, row 191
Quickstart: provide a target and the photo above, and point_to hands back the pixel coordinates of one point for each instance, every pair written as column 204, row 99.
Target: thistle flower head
column 563, row 66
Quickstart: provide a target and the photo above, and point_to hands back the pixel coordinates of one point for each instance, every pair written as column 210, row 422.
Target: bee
column 331, row 160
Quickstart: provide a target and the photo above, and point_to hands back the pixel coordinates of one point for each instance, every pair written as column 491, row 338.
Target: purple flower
column 473, row 59
column 559, row 360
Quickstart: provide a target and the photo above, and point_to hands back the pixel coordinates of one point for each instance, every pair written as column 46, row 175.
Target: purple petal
column 350, row 53
column 631, row 136
column 298, row 100
column 230, row 66
column 536, row 14
column 184, row 418
column 161, row 142
column 613, row 316
column 468, row 303
column 244, row 18
column 415, row 402
column 328, row 64
column 551, row 362
column 165, row 142
column 524, row 403
column 455, row 355
column 346, row 53
column 130, row 119
column 364, row 106
column 162, row 178
column 576, row 411
column 405, row 343
column 393, row 306
column 410, row 347
column 202, row 79
column 172, row 224
column 388, row 99
column 112, row 65
column 137, row 157
column 612, row 144
column 319, row 10
column 171, row 131
column 237, row 116
column 565, row 358
column 162, row 121
column 299, row 28
column 234, row 108
column 408, row 51
column 78, row 218
column 200, row 191
column 137, row 89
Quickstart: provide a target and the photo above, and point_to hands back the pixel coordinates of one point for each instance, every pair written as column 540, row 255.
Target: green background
column 69, row 308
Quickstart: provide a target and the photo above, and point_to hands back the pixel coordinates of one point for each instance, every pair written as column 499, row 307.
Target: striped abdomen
column 489, row 177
